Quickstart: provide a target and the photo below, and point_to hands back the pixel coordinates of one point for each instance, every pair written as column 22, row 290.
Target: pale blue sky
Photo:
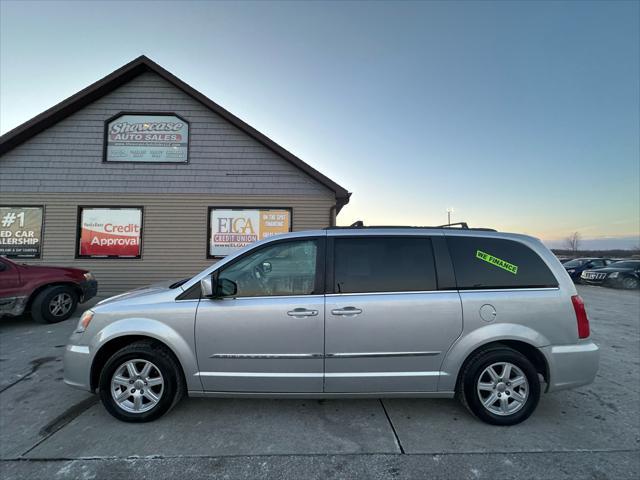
column 522, row 116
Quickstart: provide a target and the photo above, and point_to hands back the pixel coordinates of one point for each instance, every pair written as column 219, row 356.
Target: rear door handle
column 346, row 311
column 302, row 312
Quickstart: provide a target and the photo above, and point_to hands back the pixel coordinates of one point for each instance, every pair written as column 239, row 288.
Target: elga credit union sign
column 147, row 138
column 21, row 232
column 110, row 232
column 235, row 228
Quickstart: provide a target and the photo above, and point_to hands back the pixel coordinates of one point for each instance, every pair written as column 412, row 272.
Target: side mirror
column 223, row 287
column 266, row 267
column 226, row 288
column 206, row 286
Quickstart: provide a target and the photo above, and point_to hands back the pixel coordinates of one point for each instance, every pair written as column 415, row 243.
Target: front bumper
column 89, row 289
column 77, row 366
column 571, row 365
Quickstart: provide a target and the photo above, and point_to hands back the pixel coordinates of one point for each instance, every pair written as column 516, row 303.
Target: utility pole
column 449, row 212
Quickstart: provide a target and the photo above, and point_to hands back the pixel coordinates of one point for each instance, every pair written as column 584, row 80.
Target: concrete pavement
column 48, row 430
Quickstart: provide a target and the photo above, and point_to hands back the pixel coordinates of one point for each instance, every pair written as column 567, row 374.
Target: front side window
column 383, row 264
column 497, row 263
column 284, row 268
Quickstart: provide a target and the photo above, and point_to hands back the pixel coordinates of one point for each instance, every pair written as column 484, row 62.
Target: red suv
column 51, row 294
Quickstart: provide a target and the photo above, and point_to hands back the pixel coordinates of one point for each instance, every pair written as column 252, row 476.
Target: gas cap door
column 488, row 312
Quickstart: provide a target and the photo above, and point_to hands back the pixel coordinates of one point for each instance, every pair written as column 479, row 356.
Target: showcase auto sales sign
column 147, row 138
column 108, row 232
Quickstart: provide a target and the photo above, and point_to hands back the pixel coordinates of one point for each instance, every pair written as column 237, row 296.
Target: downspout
column 332, row 216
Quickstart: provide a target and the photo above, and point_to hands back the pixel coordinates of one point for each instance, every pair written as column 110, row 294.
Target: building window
column 109, row 232
column 21, row 231
column 232, row 228
column 146, row 138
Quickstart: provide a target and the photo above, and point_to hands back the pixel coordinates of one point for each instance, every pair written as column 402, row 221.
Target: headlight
column 614, row 275
column 89, row 276
column 85, row 319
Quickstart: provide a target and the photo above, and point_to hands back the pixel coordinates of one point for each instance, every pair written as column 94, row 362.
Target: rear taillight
column 581, row 316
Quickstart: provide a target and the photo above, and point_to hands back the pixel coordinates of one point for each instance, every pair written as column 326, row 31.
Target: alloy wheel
column 60, row 305
column 137, row 386
column 503, row 388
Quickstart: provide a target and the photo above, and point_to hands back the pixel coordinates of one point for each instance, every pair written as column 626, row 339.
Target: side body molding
column 471, row 341
column 182, row 348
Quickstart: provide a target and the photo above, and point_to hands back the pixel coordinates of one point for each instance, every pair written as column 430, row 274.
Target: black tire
column 630, row 283
column 172, row 389
column 42, row 310
column 467, row 389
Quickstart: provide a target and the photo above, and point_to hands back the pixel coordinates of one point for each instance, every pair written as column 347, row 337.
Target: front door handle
column 302, row 312
column 347, row 311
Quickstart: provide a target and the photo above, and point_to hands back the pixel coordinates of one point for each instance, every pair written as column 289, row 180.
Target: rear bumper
column 571, row 366
column 89, row 289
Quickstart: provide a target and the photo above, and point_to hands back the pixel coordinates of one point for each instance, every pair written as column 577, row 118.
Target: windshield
column 574, row 263
column 626, row 264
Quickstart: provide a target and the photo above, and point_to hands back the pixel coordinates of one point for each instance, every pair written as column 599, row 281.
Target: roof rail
column 460, row 225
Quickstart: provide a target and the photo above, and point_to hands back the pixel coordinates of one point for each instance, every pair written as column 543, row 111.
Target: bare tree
column 572, row 242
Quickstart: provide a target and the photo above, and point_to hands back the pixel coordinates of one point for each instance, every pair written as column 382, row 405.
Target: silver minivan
column 492, row 318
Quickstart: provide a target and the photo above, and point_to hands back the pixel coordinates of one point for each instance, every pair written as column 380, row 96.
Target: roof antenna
column 357, row 224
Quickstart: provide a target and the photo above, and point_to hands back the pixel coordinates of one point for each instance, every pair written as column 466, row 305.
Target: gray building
column 141, row 178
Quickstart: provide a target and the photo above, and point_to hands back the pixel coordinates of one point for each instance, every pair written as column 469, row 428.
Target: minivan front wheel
column 140, row 382
column 500, row 386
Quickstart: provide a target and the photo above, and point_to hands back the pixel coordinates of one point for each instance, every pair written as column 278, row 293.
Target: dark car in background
column 50, row 294
column 623, row 274
column 576, row 266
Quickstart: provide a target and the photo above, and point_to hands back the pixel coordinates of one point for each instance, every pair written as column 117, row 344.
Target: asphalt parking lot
column 49, row 430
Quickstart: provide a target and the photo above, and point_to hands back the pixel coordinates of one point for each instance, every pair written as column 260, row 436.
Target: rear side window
column 497, row 263
column 383, row 264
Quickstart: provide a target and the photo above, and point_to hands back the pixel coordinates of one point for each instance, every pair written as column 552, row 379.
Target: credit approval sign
column 110, row 232
column 231, row 229
column 150, row 138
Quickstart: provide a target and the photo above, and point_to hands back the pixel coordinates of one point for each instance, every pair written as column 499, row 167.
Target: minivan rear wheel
column 500, row 386
column 140, row 382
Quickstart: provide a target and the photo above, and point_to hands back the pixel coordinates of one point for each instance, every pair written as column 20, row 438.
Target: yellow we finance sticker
column 498, row 262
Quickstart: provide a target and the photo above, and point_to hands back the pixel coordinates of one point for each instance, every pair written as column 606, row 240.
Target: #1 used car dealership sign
column 147, row 138
column 21, row 232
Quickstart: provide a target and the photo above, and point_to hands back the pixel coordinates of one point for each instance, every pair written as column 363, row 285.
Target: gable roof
column 127, row 72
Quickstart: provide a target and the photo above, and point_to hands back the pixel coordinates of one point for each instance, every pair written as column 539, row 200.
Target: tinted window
column 390, row 264
column 597, row 263
column 496, row 263
column 573, row 263
column 630, row 264
column 285, row 268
